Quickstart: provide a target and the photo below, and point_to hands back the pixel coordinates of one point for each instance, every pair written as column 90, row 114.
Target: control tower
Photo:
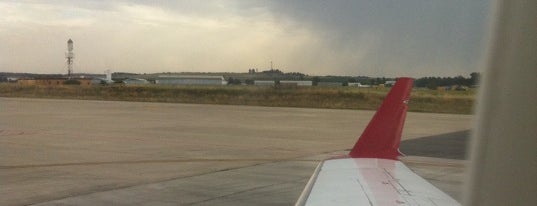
column 69, row 56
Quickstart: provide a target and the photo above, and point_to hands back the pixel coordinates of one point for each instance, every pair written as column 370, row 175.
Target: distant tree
column 378, row 81
column 273, row 72
column 474, row 78
column 294, row 75
column 249, row 82
column 315, row 81
column 233, row 81
column 459, row 80
column 432, row 84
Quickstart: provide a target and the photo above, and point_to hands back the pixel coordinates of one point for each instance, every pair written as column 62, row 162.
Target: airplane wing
column 371, row 173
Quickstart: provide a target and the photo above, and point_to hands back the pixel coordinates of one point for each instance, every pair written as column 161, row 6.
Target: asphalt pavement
column 76, row 152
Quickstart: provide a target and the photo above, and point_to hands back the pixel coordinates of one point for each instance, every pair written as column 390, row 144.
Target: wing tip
column 382, row 136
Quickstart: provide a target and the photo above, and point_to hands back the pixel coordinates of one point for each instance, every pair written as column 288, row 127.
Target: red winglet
column 382, row 136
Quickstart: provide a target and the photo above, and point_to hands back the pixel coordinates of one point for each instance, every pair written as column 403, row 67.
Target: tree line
column 275, row 74
column 434, row 82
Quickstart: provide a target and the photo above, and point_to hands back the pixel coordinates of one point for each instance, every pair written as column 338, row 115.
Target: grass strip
column 457, row 102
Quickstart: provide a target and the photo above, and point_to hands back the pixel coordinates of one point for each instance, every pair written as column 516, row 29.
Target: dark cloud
column 412, row 34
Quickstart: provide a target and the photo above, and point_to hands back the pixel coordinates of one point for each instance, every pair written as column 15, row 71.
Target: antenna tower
column 69, row 55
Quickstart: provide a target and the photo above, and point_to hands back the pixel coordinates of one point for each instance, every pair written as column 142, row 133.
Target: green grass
column 459, row 102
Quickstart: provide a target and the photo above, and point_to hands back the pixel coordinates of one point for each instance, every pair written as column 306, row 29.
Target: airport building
column 133, row 81
column 96, row 81
column 389, row 83
column 296, row 83
column 264, row 83
column 329, row 84
column 190, row 80
column 358, row 85
column 284, row 83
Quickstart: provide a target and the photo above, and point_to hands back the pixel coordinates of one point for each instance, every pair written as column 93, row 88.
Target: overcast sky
column 339, row 37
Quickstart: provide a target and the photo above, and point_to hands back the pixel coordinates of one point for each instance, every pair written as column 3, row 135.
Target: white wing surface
column 370, row 181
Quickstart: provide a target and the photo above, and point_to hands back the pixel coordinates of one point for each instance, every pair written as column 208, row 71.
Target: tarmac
column 84, row 152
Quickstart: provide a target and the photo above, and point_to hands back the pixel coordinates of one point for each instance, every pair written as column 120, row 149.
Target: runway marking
column 184, row 177
column 244, row 191
column 10, row 132
column 146, row 162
